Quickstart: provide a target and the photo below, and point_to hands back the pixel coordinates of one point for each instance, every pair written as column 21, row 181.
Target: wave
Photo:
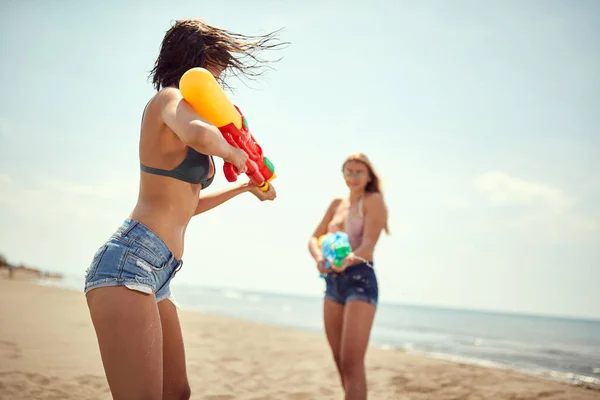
column 562, row 376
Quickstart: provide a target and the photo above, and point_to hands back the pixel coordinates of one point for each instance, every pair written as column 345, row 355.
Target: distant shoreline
column 491, row 311
column 23, row 272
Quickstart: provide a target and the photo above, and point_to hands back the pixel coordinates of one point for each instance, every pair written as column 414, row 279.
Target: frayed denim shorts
column 134, row 257
column 356, row 283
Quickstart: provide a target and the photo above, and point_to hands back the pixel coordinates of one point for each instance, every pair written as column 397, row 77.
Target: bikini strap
column 360, row 206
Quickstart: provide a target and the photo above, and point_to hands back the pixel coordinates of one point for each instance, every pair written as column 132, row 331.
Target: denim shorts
column 134, row 257
column 356, row 283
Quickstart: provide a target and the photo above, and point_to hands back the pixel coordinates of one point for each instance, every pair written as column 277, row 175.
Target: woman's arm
column 214, row 199
column 313, row 242
column 375, row 218
column 203, row 137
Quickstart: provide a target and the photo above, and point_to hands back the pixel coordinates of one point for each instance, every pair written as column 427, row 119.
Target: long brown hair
column 374, row 185
column 191, row 43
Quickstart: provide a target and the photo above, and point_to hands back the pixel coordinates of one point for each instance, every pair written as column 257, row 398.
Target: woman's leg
column 175, row 381
column 129, row 335
column 333, row 314
column 358, row 320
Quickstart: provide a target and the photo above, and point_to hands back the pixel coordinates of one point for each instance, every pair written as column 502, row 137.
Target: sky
column 481, row 117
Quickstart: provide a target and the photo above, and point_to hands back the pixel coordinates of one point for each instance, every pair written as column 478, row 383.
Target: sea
column 556, row 348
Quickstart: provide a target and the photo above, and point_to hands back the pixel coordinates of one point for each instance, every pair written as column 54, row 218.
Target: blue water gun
column 334, row 247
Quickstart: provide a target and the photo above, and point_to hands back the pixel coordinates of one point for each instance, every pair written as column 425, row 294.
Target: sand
column 48, row 350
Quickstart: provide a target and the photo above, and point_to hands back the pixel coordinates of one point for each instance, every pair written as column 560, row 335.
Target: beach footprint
column 94, row 381
column 325, row 391
column 9, row 350
column 399, row 381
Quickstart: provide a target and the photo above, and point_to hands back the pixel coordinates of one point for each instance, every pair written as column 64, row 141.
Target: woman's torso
column 166, row 201
column 350, row 218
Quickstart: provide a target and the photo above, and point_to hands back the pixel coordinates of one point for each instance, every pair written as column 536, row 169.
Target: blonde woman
column 351, row 290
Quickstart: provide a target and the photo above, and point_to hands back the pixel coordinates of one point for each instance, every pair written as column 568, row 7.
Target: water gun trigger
column 230, row 172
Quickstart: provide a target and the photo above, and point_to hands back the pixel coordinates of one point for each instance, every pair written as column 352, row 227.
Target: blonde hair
column 374, row 185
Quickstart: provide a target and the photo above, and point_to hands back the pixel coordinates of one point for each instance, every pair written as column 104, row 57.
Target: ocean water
column 555, row 348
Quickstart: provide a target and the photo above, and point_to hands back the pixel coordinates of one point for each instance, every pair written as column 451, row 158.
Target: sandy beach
column 48, row 350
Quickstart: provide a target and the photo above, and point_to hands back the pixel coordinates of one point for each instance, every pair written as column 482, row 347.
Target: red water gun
column 201, row 90
column 259, row 168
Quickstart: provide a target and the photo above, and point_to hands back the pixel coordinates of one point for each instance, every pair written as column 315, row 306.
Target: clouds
column 509, row 207
column 533, row 209
column 501, row 189
column 102, row 191
column 50, row 199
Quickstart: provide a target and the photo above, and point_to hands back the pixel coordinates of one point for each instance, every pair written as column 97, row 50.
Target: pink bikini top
column 354, row 225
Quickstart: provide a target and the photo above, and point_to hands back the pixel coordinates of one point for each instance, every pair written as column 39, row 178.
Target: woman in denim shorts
column 351, row 290
column 127, row 282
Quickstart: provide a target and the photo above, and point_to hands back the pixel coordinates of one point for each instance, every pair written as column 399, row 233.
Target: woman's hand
column 270, row 194
column 237, row 157
column 350, row 260
column 321, row 266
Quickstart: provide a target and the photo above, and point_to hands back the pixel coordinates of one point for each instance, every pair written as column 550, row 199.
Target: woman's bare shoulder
column 374, row 200
column 333, row 206
column 335, row 203
column 167, row 94
column 166, row 98
column 373, row 196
